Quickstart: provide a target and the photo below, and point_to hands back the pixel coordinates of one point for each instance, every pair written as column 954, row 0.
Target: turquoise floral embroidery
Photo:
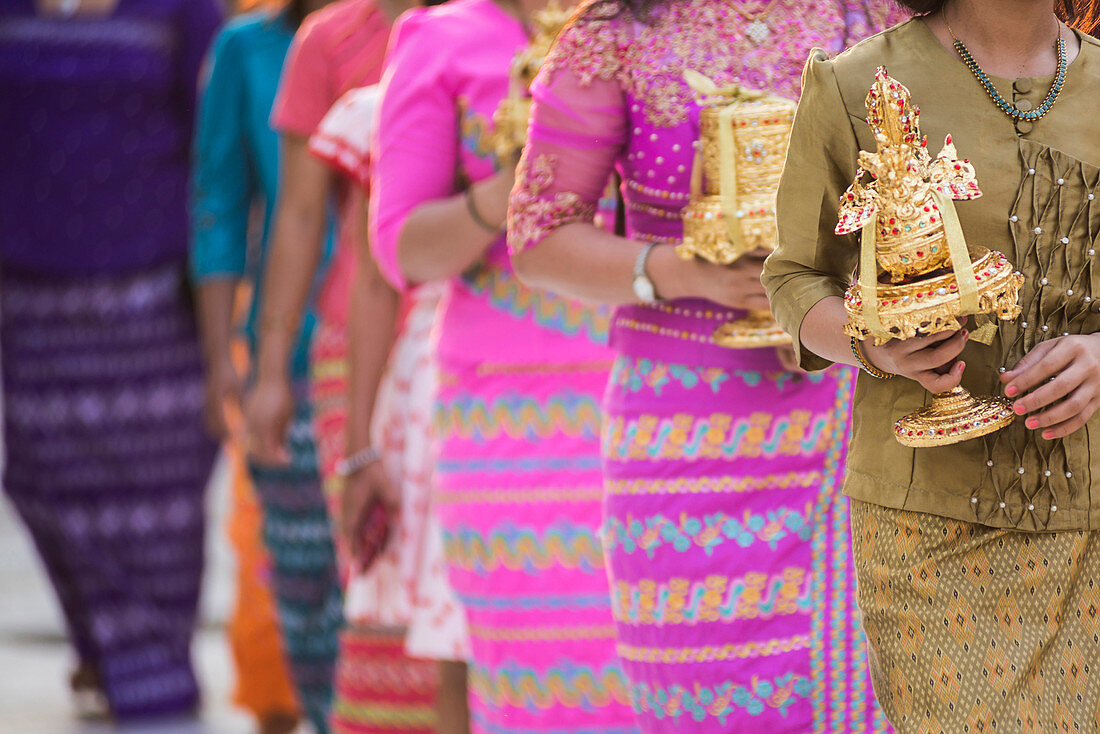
column 708, row 532
column 722, row 701
column 637, row 375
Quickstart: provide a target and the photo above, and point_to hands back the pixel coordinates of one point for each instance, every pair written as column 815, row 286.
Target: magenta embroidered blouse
column 612, row 96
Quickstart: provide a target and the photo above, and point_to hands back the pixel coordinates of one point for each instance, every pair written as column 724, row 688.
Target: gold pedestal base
column 757, row 329
column 953, row 417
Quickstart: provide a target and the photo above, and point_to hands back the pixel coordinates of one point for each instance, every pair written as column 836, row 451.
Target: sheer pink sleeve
column 416, row 137
column 578, row 128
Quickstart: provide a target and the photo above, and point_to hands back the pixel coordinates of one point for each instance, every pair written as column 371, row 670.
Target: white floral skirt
column 407, row 585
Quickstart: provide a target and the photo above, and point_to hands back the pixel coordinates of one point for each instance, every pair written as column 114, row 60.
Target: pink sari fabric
column 517, row 417
column 725, row 531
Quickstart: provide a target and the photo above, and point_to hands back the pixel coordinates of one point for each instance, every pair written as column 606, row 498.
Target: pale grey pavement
column 35, row 660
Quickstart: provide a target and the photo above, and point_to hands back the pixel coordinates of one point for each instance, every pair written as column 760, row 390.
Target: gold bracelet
column 866, row 363
column 471, row 206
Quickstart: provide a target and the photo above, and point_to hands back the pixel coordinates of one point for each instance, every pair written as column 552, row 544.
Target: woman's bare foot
column 88, row 697
column 278, row 723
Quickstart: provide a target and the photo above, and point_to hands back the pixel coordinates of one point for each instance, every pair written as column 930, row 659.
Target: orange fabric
column 263, row 678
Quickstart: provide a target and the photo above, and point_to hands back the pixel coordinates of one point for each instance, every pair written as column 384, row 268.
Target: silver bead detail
column 1031, row 507
column 1020, row 470
column 1061, row 181
column 1038, row 230
column 1092, row 251
column 1043, row 281
column 1002, row 504
column 1031, row 171
column 973, row 500
column 1054, row 508
column 1092, row 196
column 1023, row 324
column 1069, row 291
column 1069, row 475
column 1065, row 240
column 1002, row 370
column 1046, row 473
column 1044, row 327
column 989, row 462
column 1014, row 218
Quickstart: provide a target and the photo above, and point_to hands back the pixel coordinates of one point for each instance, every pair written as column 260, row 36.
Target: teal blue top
column 235, row 169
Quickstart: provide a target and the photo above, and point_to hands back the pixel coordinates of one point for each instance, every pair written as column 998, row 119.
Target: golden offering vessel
column 743, row 136
column 917, row 276
column 511, row 116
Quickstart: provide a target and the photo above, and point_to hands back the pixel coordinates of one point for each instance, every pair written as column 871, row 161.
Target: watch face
column 643, row 289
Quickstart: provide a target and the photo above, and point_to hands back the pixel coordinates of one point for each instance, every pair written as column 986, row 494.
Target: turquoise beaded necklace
column 1003, row 104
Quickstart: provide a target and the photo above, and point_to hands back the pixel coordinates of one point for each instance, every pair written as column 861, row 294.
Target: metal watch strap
column 640, row 275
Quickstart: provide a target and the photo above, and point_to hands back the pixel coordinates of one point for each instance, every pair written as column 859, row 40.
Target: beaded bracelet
column 359, row 460
column 866, row 364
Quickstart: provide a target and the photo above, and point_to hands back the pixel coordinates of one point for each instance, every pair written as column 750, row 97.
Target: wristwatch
column 643, row 286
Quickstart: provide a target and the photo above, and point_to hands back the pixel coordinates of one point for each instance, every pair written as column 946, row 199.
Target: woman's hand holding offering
column 736, row 285
column 930, row 360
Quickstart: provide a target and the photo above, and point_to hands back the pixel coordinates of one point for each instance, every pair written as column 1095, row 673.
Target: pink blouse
column 612, row 96
column 446, row 72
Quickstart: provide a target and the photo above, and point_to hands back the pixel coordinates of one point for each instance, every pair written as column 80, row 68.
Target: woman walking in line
column 725, row 533
column 517, row 486
column 236, row 167
column 976, row 561
column 107, row 459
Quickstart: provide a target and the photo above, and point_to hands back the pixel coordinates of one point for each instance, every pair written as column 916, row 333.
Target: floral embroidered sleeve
column 578, row 128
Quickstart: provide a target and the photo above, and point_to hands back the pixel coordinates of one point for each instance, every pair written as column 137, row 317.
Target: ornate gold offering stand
column 917, row 276
column 743, row 136
column 511, row 116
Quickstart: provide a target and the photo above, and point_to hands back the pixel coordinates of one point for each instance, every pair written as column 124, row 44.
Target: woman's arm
column 588, row 263
column 371, row 332
column 930, row 360
column 578, row 128
column 221, row 192
column 297, row 240
column 441, row 239
column 422, row 229
column 807, row 274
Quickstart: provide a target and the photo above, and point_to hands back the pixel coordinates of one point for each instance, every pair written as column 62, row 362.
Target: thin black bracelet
column 471, row 206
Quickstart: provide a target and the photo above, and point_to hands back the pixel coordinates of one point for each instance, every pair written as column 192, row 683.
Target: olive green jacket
column 1041, row 208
